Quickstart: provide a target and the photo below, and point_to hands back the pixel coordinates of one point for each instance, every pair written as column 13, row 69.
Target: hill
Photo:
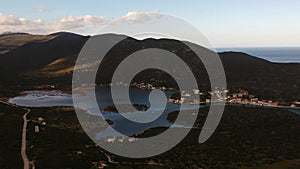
column 37, row 61
column 10, row 41
column 36, row 54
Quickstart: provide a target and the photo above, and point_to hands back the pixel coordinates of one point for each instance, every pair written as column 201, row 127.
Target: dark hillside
column 38, row 63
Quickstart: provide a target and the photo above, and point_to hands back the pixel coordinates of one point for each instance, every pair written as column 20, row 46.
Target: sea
column 273, row 54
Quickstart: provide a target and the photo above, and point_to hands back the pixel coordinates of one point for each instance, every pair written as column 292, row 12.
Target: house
column 102, row 165
column 254, row 100
column 242, row 93
column 196, row 91
column 121, row 140
column 297, row 103
column 131, row 139
column 182, row 100
column 40, row 119
column 111, row 139
column 79, row 152
column 36, row 129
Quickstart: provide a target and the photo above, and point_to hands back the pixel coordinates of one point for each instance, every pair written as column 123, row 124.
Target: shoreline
column 239, row 104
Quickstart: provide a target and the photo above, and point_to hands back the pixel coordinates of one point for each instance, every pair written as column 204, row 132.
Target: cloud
column 11, row 20
column 86, row 24
column 10, row 23
column 78, row 24
column 138, row 17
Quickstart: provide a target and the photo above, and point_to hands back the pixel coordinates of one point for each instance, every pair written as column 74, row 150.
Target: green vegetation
column 10, row 41
column 126, row 108
column 189, row 114
column 63, row 143
column 10, row 133
column 246, row 137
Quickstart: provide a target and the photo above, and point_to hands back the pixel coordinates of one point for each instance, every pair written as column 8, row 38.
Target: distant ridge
column 67, row 35
column 64, row 33
column 10, row 33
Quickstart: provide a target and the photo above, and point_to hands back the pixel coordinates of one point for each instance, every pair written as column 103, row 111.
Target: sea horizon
column 272, row 54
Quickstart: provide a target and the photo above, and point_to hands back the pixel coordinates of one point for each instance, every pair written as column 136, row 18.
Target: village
column 241, row 97
column 142, row 85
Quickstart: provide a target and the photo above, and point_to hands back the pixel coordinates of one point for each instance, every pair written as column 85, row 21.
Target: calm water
column 137, row 96
column 121, row 124
column 273, row 54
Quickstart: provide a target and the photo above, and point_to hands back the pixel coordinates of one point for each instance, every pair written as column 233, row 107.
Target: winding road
column 26, row 162
column 23, row 146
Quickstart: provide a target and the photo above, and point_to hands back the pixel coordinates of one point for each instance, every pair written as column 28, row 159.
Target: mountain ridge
column 51, row 62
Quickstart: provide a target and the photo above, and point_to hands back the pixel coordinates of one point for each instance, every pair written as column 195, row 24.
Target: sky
column 226, row 23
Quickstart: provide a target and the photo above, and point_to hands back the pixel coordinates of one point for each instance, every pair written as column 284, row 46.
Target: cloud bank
column 86, row 24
